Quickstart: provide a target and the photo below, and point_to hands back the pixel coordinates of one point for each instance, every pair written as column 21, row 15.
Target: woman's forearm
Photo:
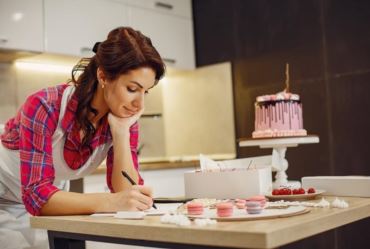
column 134, row 198
column 70, row 203
column 122, row 161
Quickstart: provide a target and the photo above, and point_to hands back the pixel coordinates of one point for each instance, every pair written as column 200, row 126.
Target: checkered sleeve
column 37, row 125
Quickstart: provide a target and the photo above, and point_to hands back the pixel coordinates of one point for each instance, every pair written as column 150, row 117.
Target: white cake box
column 238, row 183
column 340, row 185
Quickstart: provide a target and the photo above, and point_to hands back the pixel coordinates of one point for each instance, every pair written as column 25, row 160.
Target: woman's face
column 124, row 96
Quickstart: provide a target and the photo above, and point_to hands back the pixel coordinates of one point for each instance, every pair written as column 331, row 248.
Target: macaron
column 258, row 198
column 253, row 207
column 225, row 209
column 194, row 208
column 240, row 203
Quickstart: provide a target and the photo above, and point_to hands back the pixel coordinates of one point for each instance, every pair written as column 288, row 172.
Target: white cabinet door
column 73, row 26
column 21, row 25
column 171, row 35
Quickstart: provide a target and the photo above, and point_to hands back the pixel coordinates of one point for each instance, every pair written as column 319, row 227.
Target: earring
column 102, row 86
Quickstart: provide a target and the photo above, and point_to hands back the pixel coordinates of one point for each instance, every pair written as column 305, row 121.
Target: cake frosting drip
column 278, row 115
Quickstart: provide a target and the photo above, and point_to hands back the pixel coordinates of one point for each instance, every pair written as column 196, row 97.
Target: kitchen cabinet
column 73, row 26
column 171, row 35
column 21, row 25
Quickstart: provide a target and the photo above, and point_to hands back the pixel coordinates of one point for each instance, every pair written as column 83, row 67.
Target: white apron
column 14, row 219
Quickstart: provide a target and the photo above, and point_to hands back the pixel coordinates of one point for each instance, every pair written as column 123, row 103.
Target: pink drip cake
column 278, row 115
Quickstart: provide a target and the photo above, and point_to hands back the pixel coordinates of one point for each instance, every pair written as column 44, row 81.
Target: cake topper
column 287, row 87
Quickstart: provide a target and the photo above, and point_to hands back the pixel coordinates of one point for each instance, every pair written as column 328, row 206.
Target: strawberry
column 288, row 191
column 311, row 191
column 301, row 191
column 276, row 192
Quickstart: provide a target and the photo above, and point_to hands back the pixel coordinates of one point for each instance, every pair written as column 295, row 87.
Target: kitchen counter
column 271, row 233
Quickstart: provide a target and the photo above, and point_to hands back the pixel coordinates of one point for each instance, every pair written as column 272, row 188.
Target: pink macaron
column 194, row 208
column 258, row 198
column 240, row 203
column 225, row 209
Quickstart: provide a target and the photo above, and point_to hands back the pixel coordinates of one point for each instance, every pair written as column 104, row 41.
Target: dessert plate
column 241, row 214
column 305, row 196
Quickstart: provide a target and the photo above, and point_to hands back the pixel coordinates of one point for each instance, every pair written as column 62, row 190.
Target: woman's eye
column 132, row 90
column 146, row 92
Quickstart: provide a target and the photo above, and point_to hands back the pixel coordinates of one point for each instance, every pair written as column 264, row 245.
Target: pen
column 133, row 183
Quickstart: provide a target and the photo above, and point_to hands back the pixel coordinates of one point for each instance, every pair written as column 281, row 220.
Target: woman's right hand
column 137, row 198
column 118, row 124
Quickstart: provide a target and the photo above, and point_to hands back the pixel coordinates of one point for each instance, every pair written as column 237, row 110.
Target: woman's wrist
column 121, row 132
column 107, row 204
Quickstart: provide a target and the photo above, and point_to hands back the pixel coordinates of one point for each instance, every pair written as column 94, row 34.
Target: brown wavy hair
column 125, row 49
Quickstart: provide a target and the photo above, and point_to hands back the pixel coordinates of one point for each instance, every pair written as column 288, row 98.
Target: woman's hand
column 136, row 198
column 118, row 124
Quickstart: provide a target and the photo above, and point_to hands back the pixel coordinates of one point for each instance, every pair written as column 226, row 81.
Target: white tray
column 241, row 214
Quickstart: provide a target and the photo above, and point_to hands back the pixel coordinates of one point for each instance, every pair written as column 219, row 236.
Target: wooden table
column 72, row 231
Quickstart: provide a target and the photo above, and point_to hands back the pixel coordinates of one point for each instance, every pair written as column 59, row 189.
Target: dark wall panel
column 351, row 122
column 215, row 27
column 348, row 36
column 268, row 27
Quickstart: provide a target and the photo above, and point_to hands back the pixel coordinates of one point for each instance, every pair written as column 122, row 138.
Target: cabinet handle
column 163, row 5
column 84, row 50
column 155, row 115
column 168, row 60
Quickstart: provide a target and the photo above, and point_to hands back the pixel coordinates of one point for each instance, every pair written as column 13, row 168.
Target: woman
column 64, row 132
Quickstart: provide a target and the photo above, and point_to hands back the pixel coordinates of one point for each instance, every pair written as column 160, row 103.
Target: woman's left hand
column 118, row 124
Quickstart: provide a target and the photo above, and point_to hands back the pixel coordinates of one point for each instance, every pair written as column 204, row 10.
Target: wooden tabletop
column 240, row 234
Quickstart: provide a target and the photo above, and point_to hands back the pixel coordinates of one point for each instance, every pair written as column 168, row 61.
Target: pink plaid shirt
column 31, row 131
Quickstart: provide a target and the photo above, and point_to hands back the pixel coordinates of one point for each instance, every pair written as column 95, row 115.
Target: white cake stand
column 279, row 147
